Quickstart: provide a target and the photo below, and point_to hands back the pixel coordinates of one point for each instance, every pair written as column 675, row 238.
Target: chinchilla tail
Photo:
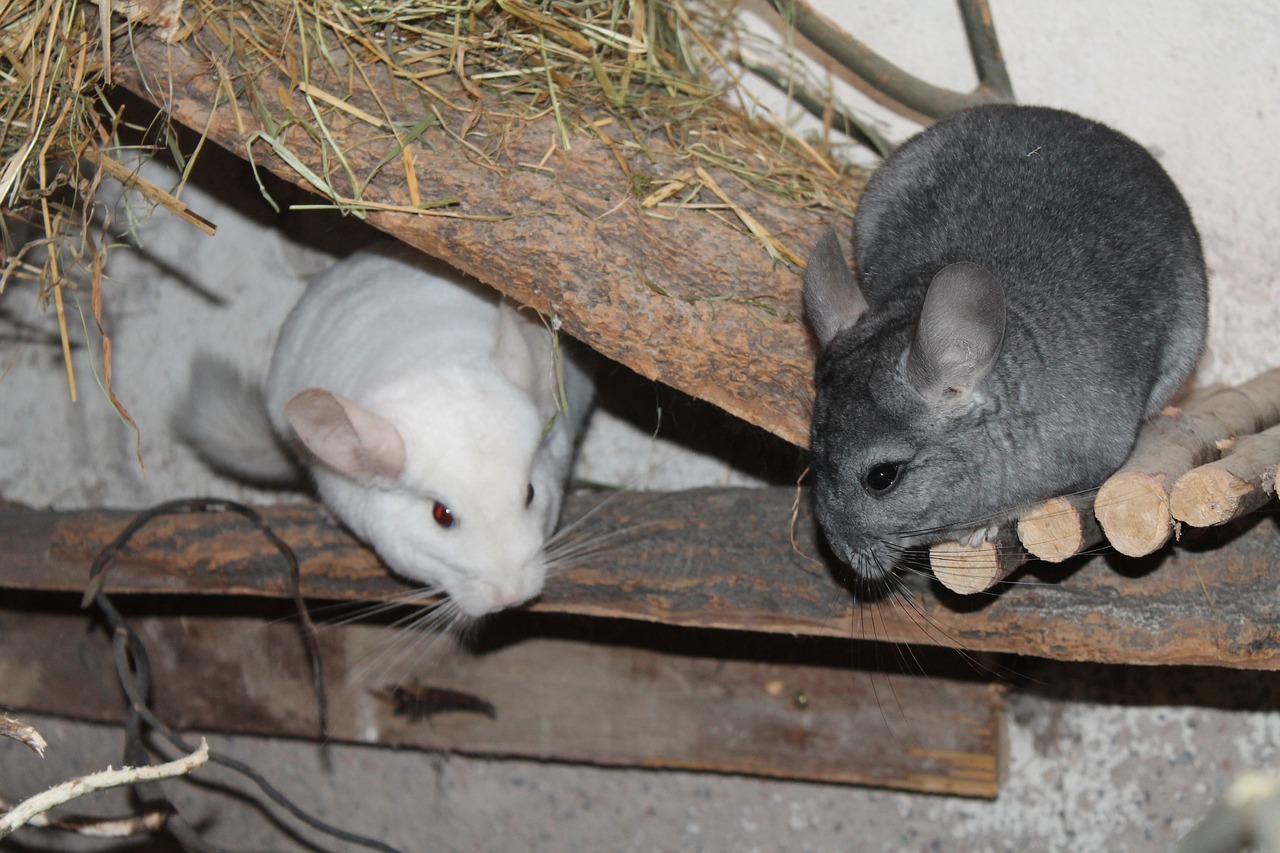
column 224, row 417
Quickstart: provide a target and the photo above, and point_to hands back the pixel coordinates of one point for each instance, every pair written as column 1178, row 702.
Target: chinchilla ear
column 524, row 354
column 832, row 299
column 958, row 337
column 344, row 436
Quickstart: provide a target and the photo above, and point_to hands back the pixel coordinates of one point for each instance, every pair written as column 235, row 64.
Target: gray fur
column 1098, row 315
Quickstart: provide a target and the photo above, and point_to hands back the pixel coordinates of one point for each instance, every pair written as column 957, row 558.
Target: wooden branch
column 967, row 569
column 1060, row 528
column 714, row 558
column 58, row 795
column 988, row 59
column 1133, row 505
column 95, row 827
column 682, row 295
column 1243, row 480
column 932, row 101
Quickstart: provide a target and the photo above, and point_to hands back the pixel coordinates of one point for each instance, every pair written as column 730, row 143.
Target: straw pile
column 51, row 69
column 644, row 63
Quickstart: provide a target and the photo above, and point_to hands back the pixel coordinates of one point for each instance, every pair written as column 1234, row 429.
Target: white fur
column 400, row 387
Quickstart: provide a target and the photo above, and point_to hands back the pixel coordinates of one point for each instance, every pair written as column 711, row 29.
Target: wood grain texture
column 606, row 701
column 724, row 558
column 686, row 297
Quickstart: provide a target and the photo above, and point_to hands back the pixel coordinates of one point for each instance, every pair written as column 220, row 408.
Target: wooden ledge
column 724, row 558
column 798, row 712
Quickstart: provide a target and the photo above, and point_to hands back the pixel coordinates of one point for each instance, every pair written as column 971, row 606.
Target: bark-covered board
column 689, row 297
column 769, row 706
column 730, row 559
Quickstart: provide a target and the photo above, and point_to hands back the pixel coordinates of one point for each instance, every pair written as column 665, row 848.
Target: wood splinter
column 1059, row 528
column 1133, row 505
column 968, row 569
column 1240, row 482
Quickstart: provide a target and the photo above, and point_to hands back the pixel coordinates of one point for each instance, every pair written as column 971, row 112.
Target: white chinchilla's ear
column 832, row 299
column 345, row 436
column 524, row 355
column 958, row 338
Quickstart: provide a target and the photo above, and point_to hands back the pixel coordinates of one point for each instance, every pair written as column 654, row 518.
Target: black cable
column 190, row 505
column 133, row 666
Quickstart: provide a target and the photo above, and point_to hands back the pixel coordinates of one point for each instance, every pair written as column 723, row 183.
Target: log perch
column 1059, row 528
column 1240, row 482
column 968, row 569
column 1133, row 505
column 751, row 575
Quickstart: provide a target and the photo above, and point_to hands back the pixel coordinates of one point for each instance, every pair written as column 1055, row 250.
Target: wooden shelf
column 786, row 709
column 724, row 559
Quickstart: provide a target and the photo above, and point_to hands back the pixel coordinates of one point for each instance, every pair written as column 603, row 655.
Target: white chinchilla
column 426, row 410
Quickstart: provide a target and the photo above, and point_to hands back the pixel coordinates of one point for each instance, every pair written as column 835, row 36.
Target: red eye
column 442, row 514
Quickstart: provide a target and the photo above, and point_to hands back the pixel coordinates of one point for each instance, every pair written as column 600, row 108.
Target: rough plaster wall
column 1126, row 768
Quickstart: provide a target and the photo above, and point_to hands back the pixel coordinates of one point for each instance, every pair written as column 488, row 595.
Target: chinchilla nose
column 521, row 585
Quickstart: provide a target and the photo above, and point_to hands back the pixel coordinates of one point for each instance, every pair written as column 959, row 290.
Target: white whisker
column 409, row 639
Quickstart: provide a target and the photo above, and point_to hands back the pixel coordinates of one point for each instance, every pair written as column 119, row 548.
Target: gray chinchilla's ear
column 958, row 337
column 832, row 299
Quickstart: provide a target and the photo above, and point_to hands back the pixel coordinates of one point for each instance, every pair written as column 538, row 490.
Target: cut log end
column 1059, row 528
column 1133, row 509
column 1206, row 496
column 968, row 569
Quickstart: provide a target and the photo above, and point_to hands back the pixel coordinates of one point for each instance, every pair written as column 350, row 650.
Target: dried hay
column 641, row 63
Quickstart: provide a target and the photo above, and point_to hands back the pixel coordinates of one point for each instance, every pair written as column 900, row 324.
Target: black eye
column 880, row 478
column 442, row 514
column 528, row 498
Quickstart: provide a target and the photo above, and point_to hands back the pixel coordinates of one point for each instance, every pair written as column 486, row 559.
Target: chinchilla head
column 901, row 434
column 449, row 473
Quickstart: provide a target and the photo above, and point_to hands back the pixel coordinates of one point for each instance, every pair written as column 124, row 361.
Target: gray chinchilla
column 1031, row 290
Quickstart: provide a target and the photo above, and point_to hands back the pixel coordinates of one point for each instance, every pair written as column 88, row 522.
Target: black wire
column 133, row 666
column 97, row 573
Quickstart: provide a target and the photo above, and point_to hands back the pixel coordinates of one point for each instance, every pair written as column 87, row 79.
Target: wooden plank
column 724, row 558
column 554, row 697
column 689, row 298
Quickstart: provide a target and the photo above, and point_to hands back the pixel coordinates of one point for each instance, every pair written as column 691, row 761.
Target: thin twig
column 130, row 179
column 100, row 827
column 817, row 105
column 100, row 781
column 23, row 733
